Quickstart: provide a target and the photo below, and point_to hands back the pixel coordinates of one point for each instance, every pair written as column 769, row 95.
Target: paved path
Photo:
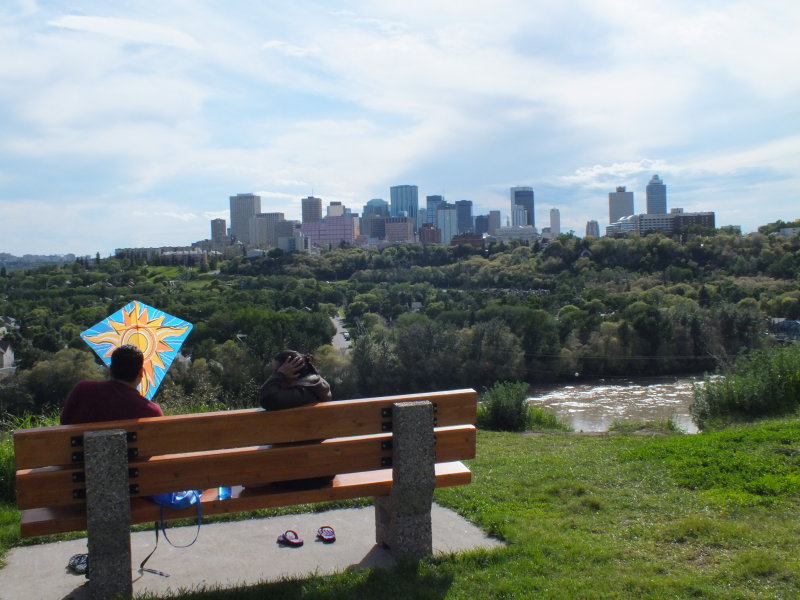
column 231, row 554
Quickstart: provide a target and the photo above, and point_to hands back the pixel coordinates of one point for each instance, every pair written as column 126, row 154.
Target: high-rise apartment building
column 243, row 208
column 592, row 228
column 404, row 200
column 523, row 196
column 620, row 204
column 464, row 215
column 656, row 196
column 494, row 221
column 219, row 232
column 311, row 209
column 555, row 222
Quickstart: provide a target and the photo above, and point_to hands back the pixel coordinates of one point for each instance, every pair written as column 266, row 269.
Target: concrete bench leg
column 108, row 514
column 403, row 519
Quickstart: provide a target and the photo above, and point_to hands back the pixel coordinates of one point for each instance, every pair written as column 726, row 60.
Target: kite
column 158, row 335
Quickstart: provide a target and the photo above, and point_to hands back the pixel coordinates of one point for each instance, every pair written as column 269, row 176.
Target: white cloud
column 128, row 29
column 192, row 105
column 290, row 49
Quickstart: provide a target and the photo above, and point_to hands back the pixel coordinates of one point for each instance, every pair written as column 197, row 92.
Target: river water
column 594, row 406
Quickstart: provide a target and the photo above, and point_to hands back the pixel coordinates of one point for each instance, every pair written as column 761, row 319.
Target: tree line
column 422, row 317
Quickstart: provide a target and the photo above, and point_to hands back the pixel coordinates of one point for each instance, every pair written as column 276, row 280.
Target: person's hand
column 291, row 367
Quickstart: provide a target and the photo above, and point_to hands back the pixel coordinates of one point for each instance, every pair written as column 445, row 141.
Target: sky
column 131, row 123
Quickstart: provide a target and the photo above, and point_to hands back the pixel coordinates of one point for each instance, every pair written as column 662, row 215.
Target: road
column 339, row 342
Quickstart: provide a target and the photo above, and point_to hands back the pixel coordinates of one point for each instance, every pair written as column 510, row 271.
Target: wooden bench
column 362, row 443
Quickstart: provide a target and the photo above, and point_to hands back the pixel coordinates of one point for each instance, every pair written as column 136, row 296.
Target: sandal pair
column 325, row 534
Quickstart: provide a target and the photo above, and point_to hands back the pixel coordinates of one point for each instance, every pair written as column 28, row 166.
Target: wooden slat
column 47, row 446
column 53, row 486
column 43, row 521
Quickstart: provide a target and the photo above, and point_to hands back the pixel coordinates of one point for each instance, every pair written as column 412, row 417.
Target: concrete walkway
column 231, row 554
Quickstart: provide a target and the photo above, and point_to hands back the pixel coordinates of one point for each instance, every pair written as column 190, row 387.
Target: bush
column 764, row 383
column 505, row 407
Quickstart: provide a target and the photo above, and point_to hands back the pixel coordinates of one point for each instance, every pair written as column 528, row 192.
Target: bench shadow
column 79, row 593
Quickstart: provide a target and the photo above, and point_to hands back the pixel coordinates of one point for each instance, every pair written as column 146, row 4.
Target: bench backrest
column 231, row 447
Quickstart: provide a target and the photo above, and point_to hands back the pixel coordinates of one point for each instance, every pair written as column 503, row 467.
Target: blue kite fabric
column 157, row 334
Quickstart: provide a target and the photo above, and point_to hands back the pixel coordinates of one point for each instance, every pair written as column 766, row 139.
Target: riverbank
column 615, row 516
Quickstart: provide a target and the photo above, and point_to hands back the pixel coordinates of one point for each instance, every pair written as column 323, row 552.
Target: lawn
column 615, row 516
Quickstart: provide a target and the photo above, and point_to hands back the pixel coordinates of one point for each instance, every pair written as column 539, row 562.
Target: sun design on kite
column 146, row 332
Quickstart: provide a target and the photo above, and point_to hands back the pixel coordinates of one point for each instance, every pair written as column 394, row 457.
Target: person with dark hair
column 294, row 381
column 115, row 399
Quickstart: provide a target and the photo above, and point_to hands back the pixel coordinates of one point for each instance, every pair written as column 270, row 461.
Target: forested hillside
column 422, row 317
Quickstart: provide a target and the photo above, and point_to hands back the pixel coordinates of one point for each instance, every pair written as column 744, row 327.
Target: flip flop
column 326, row 534
column 290, row 538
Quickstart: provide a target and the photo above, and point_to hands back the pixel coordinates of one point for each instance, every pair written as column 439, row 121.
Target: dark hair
column 126, row 362
column 308, row 367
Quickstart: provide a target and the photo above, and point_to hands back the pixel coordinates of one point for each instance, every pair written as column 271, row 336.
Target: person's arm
column 274, row 396
column 322, row 391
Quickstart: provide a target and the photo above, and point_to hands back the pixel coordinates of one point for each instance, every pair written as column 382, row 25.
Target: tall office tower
column 494, row 221
column 555, row 222
column 448, row 222
column 592, row 228
column 482, row 224
column 464, row 215
column 335, row 209
column 523, row 196
column 262, row 229
column 312, row 209
column 620, row 204
column 219, row 232
column 373, row 225
column 656, row 196
column 376, row 206
column 243, row 208
column 519, row 216
column 432, row 203
column 404, row 199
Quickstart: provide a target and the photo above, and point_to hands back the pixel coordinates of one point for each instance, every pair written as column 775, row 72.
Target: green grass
column 712, row 515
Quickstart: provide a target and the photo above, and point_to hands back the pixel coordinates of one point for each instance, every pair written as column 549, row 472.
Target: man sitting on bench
column 115, row 399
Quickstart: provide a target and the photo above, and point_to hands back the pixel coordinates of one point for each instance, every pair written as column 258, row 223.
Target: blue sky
column 131, row 123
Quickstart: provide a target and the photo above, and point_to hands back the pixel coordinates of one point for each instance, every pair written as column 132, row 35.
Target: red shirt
column 91, row 401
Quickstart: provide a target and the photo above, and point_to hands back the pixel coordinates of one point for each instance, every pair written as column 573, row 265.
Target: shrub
column 505, row 407
column 764, row 383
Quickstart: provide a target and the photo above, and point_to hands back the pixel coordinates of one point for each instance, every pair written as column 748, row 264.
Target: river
column 594, row 406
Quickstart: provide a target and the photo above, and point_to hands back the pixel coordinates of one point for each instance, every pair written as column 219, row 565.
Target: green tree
column 50, row 381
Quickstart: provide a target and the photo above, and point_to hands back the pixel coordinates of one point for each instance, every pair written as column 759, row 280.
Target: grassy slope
column 618, row 516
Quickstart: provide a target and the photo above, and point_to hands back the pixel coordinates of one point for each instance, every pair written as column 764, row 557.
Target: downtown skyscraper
column 243, row 208
column 656, row 196
column 523, row 196
column 404, row 201
column 620, row 204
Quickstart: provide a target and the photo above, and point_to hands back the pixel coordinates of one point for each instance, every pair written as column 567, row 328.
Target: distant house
column 786, row 329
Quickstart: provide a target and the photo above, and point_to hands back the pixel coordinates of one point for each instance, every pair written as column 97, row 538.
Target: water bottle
column 224, row 492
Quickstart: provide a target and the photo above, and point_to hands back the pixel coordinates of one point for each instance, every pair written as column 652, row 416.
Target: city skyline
column 131, row 125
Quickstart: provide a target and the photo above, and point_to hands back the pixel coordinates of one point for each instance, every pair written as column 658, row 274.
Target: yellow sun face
column 147, row 334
